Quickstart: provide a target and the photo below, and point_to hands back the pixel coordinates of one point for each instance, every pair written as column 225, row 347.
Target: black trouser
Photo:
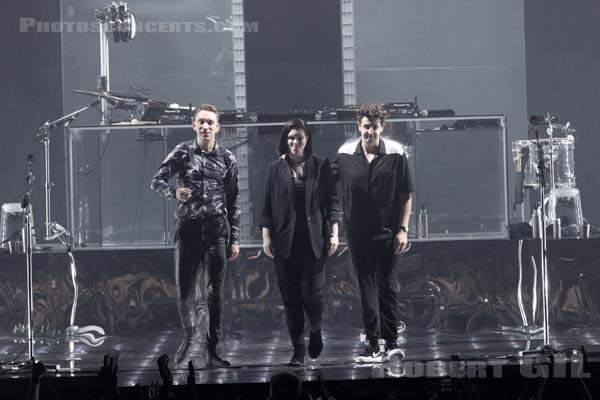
column 200, row 249
column 301, row 279
column 375, row 265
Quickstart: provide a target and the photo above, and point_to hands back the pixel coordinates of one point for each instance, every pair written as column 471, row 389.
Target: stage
column 430, row 355
column 459, row 306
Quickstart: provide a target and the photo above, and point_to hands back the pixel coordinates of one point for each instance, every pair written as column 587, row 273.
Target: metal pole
column 544, row 261
column 104, row 81
column 71, row 214
column 543, row 241
column 47, row 183
column 27, row 241
column 167, row 230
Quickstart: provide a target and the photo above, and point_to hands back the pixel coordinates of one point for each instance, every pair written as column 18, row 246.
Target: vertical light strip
column 241, row 133
column 239, row 58
column 348, row 68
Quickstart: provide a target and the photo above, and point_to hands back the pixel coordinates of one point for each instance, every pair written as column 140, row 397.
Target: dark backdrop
column 294, row 61
column 562, row 63
column 563, row 60
column 30, row 94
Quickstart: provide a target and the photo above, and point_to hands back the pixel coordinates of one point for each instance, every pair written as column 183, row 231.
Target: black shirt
column 371, row 192
column 213, row 178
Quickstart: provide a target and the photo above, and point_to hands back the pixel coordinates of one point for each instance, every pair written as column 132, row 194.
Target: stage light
column 119, row 20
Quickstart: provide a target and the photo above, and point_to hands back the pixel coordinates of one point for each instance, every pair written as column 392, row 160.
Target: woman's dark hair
column 299, row 125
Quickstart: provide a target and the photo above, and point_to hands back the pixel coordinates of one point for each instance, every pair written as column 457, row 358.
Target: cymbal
column 130, row 96
column 104, row 95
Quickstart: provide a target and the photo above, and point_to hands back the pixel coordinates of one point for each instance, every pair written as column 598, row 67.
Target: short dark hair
column 206, row 107
column 285, row 385
column 300, row 125
column 372, row 112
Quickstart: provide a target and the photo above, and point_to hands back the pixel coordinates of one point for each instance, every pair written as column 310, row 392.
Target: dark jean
column 200, row 261
column 375, row 265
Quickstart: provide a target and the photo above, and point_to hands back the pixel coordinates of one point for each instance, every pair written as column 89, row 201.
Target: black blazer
column 322, row 206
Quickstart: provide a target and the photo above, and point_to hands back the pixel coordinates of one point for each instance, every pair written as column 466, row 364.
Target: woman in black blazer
column 300, row 230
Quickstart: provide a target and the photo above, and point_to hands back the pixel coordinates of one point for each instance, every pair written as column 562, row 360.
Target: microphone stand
column 44, row 136
column 28, row 247
column 92, row 335
column 540, row 220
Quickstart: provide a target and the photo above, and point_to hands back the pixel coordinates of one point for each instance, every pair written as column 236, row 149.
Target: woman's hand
column 267, row 246
column 334, row 242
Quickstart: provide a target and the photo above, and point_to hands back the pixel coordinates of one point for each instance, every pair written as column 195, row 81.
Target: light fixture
column 119, row 20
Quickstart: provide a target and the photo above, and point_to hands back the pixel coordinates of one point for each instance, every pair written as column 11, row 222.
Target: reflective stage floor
column 255, row 355
column 455, row 298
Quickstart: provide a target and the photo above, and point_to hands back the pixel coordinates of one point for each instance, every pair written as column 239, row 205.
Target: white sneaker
column 372, row 354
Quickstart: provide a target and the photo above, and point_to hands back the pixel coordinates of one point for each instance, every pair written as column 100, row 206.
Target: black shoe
column 214, row 361
column 315, row 344
column 183, row 349
column 372, row 354
column 298, row 356
column 393, row 350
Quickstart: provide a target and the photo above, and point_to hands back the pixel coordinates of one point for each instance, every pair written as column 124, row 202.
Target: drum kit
column 549, row 164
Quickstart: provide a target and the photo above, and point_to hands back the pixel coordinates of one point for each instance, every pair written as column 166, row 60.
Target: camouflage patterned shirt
column 212, row 177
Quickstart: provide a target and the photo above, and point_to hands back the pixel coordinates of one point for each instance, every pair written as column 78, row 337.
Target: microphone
column 542, row 119
column 30, row 177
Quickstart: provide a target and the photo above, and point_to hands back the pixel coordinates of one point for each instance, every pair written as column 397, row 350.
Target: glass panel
column 457, row 164
column 461, row 178
column 182, row 53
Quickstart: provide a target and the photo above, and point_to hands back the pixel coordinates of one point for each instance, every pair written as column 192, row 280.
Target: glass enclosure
column 458, row 165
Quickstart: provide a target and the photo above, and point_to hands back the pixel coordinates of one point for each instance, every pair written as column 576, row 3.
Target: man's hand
column 154, row 390
column 234, row 251
column 401, row 244
column 191, row 378
column 107, row 377
column 37, row 370
column 191, row 382
column 183, row 194
column 165, row 372
column 334, row 242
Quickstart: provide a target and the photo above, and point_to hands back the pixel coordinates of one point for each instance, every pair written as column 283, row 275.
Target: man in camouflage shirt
column 207, row 227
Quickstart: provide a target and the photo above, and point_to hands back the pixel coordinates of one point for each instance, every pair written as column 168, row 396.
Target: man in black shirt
column 207, row 228
column 376, row 188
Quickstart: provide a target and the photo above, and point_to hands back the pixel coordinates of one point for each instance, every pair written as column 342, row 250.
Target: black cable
column 137, row 218
column 19, row 354
column 95, row 167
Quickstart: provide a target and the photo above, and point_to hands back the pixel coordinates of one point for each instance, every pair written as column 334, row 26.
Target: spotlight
column 119, row 20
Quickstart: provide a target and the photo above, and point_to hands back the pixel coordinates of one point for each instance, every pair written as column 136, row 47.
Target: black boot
column 214, row 361
column 298, row 356
column 315, row 344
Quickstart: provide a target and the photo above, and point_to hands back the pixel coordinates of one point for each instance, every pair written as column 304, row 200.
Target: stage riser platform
column 461, row 286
